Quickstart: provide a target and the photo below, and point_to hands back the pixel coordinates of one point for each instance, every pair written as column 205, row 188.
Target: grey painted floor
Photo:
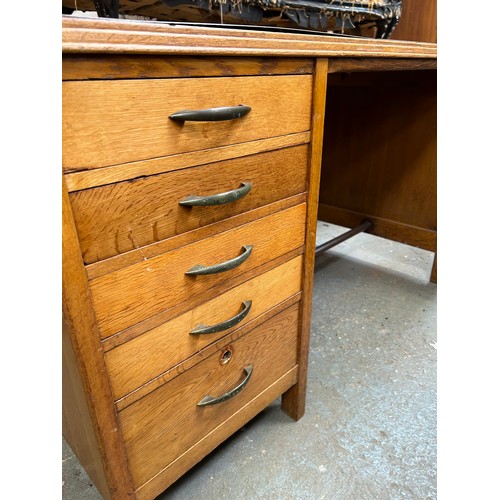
column 370, row 426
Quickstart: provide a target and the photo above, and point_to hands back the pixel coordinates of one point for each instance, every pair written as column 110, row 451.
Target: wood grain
column 146, row 357
column 188, row 363
column 182, row 307
column 199, row 31
column 117, row 121
column 117, row 218
column 80, row 35
column 271, row 348
column 365, row 64
column 210, row 441
column 293, row 401
column 418, row 21
column 123, row 260
column 120, row 66
column 77, row 425
column 115, row 68
column 92, row 392
column 128, row 296
column 382, row 163
column 128, row 171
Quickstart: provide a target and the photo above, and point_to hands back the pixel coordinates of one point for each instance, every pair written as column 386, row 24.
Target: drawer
column 120, row 217
column 163, row 425
column 111, row 122
column 140, row 360
column 127, row 296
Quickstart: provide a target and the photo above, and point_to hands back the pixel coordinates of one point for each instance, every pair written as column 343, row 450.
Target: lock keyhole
column 226, row 355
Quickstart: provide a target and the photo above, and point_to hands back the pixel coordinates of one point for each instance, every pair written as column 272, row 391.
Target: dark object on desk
column 373, row 18
column 336, row 16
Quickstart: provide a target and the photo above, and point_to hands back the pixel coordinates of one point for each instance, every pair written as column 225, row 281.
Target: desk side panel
column 76, row 421
column 89, row 418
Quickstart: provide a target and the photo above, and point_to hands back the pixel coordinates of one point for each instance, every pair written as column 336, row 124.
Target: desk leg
column 434, row 272
column 293, row 401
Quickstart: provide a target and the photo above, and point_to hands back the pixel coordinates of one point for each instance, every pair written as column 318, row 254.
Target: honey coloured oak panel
column 167, row 422
column 382, row 164
column 418, row 22
column 116, row 130
column 111, row 122
column 120, row 217
column 139, row 360
column 127, row 66
column 132, row 294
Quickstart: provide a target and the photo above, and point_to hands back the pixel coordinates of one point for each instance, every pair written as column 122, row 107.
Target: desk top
column 101, row 35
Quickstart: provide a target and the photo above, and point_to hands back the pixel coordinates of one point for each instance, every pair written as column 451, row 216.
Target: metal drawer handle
column 223, row 266
column 225, row 325
column 209, row 400
column 211, row 114
column 217, row 199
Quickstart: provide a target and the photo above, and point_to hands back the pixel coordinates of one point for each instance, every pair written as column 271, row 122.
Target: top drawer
column 116, row 121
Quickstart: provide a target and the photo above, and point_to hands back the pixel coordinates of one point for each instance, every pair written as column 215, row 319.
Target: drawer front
column 120, row 217
column 140, row 360
column 164, row 424
column 130, row 295
column 111, row 122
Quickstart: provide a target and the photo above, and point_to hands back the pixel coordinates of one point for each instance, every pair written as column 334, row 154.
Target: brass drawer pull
column 223, row 266
column 209, row 400
column 225, row 325
column 211, row 114
column 217, row 199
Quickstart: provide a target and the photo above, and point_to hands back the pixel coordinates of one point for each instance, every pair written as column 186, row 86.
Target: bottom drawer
column 163, row 425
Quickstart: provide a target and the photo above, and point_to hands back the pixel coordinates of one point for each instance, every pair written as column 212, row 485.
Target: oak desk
column 192, row 160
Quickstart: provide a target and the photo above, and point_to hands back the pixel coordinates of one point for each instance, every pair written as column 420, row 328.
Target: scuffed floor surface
column 370, row 426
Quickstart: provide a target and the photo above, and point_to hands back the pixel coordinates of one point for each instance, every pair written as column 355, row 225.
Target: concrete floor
column 369, row 431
